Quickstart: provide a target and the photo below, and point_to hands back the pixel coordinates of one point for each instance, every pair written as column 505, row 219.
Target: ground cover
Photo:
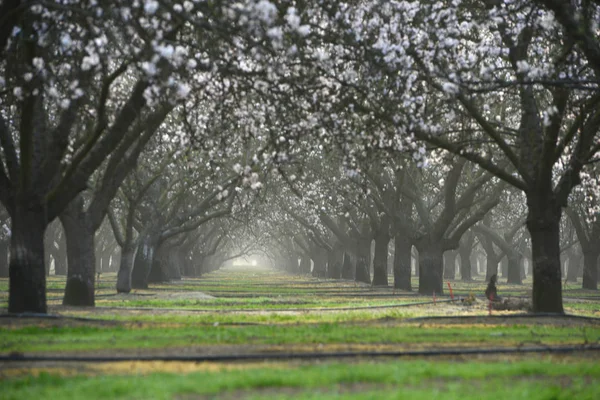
column 529, row 379
column 261, row 312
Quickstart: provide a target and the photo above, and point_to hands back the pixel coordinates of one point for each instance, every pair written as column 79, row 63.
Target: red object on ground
column 450, row 287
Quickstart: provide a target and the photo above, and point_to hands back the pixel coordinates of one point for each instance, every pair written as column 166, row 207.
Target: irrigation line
column 502, row 317
column 19, row 357
column 55, row 317
column 271, row 310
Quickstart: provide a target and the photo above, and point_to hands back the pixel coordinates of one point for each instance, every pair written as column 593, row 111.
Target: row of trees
column 490, row 95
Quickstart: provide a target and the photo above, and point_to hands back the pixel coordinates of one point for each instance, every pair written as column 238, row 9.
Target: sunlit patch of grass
column 534, row 379
column 134, row 336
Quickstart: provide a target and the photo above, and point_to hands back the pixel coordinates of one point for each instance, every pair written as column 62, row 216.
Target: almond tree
column 79, row 85
column 511, row 87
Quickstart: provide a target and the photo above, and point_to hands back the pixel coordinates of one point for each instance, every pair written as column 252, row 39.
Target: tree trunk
column 522, row 262
column 474, row 260
column 431, row 264
column 48, row 244
column 492, row 267
column 174, row 259
column 81, row 257
column 319, row 258
column 142, row 264
column 450, row 264
column 514, row 271
column 402, row 260
column 504, row 266
column 60, row 254
column 574, row 266
column 27, row 283
column 543, row 223
column 590, row 269
column 362, row 261
column 380, row 258
column 466, row 268
column 417, row 261
column 159, row 272
column 125, row 268
column 335, row 259
column 305, row 265
column 4, row 245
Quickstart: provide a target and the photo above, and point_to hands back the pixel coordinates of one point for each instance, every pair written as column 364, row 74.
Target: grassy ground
column 265, row 312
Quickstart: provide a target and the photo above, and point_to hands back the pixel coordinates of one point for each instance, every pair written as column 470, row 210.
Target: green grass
column 533, row 379
column 52, row 339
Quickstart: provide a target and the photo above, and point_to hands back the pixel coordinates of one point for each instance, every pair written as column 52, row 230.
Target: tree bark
column 590, row 269
column 417, row 262
column 27, row 273
column 514, row 271
column 319, row 258
column 143, row 263
column 4, row 246
column 380, row 258
column 574, row 266
column 335, row 259
column 450, row 264
column 362, row 260
column 431, row 265
column 305, row 265
column 80, row 255
column 466, row 268
column 465, row 251
column 504, row 266
column 473, row 260
column 402, row 262
column 543, row 223
column 159, row 272
column 125, row 269
column 60, row 254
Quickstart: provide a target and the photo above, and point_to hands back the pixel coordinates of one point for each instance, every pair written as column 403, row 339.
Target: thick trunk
column 80, row 256
column 60, row 255
column 175, row 264
column 187, row 266
column 450, row 264
column 474, row 260
column 380, row 258
column 142, row 264
column 466, row 268
column 431, row 264
column 491, row 263
column 4, row 245
column 402, row 260
column 543, row 223
column 417, row 261
column 125, row 268
column 335, row 259
column 348, row 266
column 573, row 266
column 514, row 270
column 362, row 261
column 48, row 242
column 504, row 267
column 319, row 258
column 159, row 271
column 27, row 283
column 590, row 269
column 522, row 262
column 305, row 265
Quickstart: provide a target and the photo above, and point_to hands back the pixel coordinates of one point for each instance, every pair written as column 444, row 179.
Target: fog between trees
column 163, row 139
